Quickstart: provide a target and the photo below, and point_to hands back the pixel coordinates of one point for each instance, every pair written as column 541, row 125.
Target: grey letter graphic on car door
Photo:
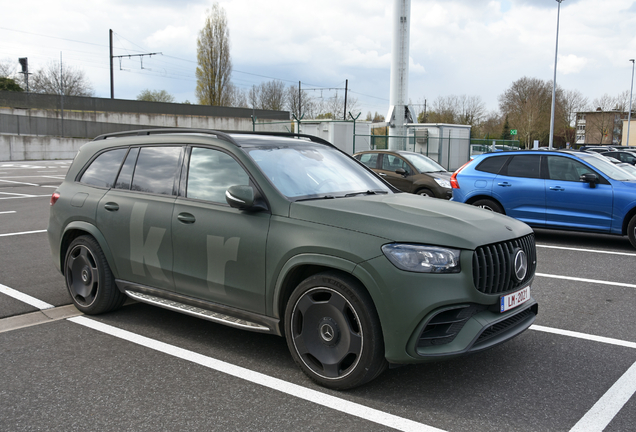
column 220, row 252
column 145, row 252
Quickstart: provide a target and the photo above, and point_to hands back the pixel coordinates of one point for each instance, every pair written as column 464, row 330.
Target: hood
column 411, row 218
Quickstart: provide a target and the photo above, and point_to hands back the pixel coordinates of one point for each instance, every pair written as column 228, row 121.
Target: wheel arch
column 78, row 228
column 300, row 267
column 476, row 198
column 630, row 214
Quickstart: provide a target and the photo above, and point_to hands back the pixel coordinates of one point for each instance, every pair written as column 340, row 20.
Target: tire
column 425, row 193
column 89, row 279
column 631, row 231
column 333, row 331
column 489, row 205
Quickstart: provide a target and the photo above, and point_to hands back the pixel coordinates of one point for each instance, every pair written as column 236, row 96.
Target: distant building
column 600, row 127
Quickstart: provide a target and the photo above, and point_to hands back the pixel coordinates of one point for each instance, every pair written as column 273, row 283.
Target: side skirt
column 202, row 309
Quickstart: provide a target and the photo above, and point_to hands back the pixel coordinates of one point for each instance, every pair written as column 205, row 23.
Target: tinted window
column 524, row 166
column 492, row 164
column 369, row 159
column 156, row 170
column 563, row 168
column 211, row 173
column 125, row 176
column 104, row 168
column 393, row 163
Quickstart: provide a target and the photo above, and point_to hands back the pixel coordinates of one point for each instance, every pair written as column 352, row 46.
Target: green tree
column 8, row 84
column 214, row 68
column 155, row 96
column 505, row 133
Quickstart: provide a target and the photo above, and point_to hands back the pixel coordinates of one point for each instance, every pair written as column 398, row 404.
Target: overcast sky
column 472, row 47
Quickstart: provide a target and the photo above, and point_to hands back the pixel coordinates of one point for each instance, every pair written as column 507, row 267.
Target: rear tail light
column 54, row 198
column 453, row 180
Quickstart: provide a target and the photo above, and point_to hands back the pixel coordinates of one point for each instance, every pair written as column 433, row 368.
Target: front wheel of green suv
column 89, row 279
column 333, row 331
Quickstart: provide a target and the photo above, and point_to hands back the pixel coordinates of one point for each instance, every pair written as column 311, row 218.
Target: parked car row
column 571, row 190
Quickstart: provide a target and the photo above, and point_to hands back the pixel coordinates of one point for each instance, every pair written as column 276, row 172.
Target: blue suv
column 567, row 190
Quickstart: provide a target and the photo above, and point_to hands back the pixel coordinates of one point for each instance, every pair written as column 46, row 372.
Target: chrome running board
column 197, row 312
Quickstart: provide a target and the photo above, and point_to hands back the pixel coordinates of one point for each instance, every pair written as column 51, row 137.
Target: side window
column 104, row 168
column 125, row 175
column 492, row 164
column 369, row 159
column 211, row 172
column 528, row 166
column 393, row 163
column 566, row 169
column 156, row 170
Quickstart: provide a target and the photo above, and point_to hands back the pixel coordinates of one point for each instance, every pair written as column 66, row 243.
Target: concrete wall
column 29, row 147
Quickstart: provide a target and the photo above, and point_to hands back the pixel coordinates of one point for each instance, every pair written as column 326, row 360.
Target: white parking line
column 587, row 250
column 24, row 196
column 24, row 298
column 585, row 336
column 21, row 233
column 28, row 184
column 282, row 386
column 604, row 411
column 7, row 212
column 586, row 280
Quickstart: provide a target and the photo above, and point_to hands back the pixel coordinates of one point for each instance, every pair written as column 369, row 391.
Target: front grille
column 493, row 265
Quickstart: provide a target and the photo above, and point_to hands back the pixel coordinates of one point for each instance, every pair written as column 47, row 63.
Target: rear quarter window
column 492, row 164
column 103, row 170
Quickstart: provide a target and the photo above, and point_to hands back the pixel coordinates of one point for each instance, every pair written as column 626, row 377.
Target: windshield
column 422, row 163
column 314, row 171
column 606, row 167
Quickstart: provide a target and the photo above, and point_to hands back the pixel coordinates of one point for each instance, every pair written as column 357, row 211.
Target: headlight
column 443, row 183
column 422, row 259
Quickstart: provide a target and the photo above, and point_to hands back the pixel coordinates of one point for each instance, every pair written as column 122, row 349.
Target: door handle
column 504, row 184
column 111, row 206
column 382, row 174
column 557, row 188
column 186, row 218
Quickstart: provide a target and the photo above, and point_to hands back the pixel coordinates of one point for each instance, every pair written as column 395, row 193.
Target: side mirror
column 401, row 171
column 590, row 178
column 243, row 198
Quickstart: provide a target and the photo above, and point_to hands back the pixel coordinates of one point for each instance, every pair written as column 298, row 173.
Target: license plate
column 515, row 299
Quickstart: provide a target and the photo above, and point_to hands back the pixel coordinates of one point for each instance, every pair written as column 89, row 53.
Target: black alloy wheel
column 333, row 331
column 89, row 279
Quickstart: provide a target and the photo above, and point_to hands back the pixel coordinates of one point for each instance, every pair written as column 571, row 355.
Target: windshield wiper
column 369, row 192
column 317, row 198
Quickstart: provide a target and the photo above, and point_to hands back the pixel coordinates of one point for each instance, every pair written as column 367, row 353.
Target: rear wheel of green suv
column 89, row 279
column 333, row 331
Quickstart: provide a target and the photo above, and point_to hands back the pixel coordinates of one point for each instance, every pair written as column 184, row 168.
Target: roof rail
column 224, row 135
column 142, row 132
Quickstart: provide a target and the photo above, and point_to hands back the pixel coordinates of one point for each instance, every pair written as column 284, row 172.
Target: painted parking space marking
column 22, row 233
column 607, row 407
column 585, row 336
column 17, row 182
column 21, row 196
column 7, row 212
column 25, row 298
column 587, row 250
column 595, row 281
column 282, row 386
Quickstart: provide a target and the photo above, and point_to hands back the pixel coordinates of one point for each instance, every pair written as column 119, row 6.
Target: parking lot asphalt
column 146, row 368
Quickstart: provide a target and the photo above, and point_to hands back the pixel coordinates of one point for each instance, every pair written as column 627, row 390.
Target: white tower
column 399, row 114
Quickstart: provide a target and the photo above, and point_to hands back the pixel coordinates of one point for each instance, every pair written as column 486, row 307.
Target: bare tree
column 155, row 96
column 8, row 68
column 298, row 104
column 61, row 80
column 527, row 103
column 214, row 68
column 272, row 95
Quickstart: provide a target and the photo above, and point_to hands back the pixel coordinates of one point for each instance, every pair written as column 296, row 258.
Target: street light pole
column 556, row 51
column 631, row 89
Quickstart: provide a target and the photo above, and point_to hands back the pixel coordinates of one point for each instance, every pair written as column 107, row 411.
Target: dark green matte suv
column 286, row 234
